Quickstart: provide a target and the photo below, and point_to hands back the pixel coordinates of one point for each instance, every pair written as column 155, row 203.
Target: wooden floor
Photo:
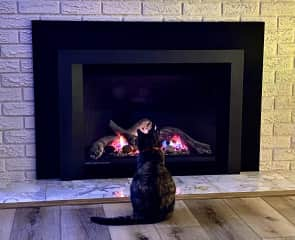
column 271, row 218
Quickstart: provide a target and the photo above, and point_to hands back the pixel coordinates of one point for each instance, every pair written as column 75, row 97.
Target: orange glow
column 119, row 142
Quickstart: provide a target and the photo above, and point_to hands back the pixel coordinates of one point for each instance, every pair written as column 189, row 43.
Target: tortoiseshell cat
column 152, row 189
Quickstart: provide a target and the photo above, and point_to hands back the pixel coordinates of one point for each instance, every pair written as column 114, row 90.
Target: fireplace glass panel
column 190, row 101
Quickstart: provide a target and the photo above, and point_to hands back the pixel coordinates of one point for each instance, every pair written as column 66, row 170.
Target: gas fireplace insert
column 98, row 82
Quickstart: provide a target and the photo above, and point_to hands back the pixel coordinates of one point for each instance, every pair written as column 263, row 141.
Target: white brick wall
column 17, row 148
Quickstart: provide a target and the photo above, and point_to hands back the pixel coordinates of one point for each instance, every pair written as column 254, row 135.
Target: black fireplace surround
column 201, row 82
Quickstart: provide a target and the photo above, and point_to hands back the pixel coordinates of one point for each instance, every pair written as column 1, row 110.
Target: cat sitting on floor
column 152, row 189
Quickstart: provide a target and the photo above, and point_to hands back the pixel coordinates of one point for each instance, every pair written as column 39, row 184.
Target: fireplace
column 103, row 91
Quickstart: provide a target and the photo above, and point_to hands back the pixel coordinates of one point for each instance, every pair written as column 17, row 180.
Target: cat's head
column 148, row 140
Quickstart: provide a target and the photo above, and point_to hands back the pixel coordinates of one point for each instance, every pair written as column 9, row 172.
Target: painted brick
column 202, row 9
column 265, row 166
column 270, row 49
column 78, row 7
column 28, row 94
column 11, row 122
column 283, row 116
column 267, row 103
column 292, row 165
column 282, row 102
column 221, row 19
column 17, row 164
column 275, row 142
column 17, row 21
column 128, row 7
column 266, row 154
column 280, row 165
column 25, row 36
column 30, row 175
column 281, row 36
column 19, row 136
column 8, row 36
column 286, row 49
column 283, row 129
column 285, row 76
column 277, row 8
column 281, row 89
column 18, row 109
column 12, row 151
column 161, row 8
column 293, row 117
column 30, row 150
column 270, row 22
column 8, row 7
column 34, row 6
column 2, row 165
column 268, row 76
column 1, row 137
column 17, row 80
column 61, row 17
column 12, row 176
column 284, row 154
column 278, row 63
column 240, row 9
column 9, row 65
column 182, row 18
column 16, row 50
column 286, row 22
column 266, row 129
column 10, row 94
column 30, row 122
column 26, row 65
column 104, row 18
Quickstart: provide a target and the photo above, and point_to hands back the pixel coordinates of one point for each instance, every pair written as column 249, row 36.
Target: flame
column 119, row 142
column 175, row 142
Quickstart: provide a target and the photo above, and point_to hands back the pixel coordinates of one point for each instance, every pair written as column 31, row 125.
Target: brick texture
column 78, row 7
column 18, row 109
column 17, row 143
column 121, row 7
column 17, row 80
column 8, row 7
column 158, row 8
column 34, row 6
column 202, row 9
column 8, row 36
column 19, row 136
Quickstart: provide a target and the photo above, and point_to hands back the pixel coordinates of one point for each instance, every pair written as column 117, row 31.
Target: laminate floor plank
column 36, row 224
column 181, row 226
column 262, row 218
column 131, row 232
column 219, row 221
column 76, row 224
column 6, row 221
column 284, row 205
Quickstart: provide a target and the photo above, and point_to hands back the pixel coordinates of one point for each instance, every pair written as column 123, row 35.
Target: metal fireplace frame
column 70, row 75
column 55, row 40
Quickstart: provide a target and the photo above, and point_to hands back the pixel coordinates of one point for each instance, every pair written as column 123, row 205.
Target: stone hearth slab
column 56, row 192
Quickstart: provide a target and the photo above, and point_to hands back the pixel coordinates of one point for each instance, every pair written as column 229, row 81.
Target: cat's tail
column 122, row 220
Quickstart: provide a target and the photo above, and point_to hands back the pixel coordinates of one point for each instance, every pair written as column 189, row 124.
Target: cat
column 152, row 190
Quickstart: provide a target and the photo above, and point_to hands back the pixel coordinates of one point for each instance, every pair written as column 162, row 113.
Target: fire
column 119, row 143
column 175, row 143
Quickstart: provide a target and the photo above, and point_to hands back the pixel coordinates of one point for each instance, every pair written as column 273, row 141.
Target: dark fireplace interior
column 183, row 100
column 101, row 94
